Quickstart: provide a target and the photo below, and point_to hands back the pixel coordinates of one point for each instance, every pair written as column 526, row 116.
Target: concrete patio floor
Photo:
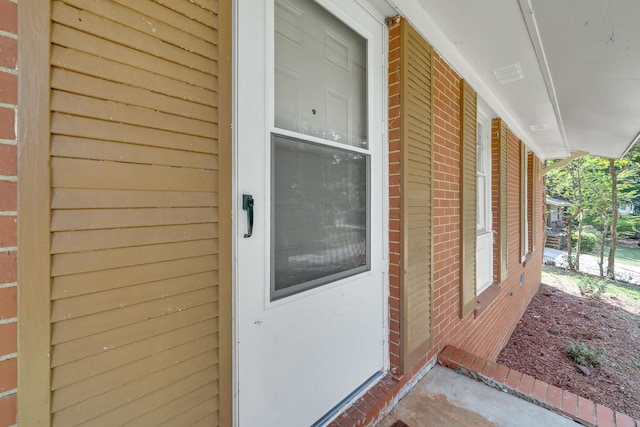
column 444, row 398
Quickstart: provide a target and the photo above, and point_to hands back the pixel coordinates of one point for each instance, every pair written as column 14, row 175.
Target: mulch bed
column 558, row 315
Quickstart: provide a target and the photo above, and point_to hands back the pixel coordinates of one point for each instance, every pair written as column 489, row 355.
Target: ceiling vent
column 538, row 127
column 508, row 74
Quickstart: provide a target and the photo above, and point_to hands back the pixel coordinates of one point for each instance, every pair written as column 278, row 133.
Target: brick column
column 8, row 207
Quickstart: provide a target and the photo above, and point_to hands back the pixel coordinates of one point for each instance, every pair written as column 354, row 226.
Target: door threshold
column 347, row 401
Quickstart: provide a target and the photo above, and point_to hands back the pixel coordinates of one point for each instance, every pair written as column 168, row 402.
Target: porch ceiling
column 580, row 60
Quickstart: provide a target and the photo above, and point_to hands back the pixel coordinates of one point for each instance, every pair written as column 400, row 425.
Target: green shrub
column 592, row 286
column 584, row 355
column 628, row 226
column 594, row 221
column 588, row 241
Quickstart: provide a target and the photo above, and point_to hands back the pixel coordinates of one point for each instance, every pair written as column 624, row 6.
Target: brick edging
column 524, row 386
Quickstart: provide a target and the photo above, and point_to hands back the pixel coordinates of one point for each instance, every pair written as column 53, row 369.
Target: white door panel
column 310, row 306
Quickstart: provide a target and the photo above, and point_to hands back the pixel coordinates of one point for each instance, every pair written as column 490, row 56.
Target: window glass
column 319, row 230
column 320, row 74
column 482, row 190
column 319, row 189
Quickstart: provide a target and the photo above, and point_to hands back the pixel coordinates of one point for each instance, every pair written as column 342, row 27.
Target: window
column 320, row 151
column 484, row 248
column 484, row 172
column 524, row 201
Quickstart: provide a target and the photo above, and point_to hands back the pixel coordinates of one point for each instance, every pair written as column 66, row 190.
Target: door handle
column 247, row 205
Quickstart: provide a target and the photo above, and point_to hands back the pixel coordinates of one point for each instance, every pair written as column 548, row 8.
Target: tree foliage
column 587, row 183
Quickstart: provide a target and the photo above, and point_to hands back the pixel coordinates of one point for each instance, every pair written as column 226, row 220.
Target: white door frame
column 238, row 216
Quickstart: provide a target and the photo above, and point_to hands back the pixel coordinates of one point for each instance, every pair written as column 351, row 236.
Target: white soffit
column 592, row 49
column 580, row 91
column 476, row 38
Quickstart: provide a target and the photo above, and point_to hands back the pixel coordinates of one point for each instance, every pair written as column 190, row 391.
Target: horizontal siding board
column 116, row 299
column 85, row 127
column 82, row 148
column 94, row 219
column 78, row 105
column 136, row 69
column 102, row 362
column 98, row 384
column 152, row 9
column 78, row 198
column 80, row 327
column 78, row 241
column 89, row 409
column 161, row 397
column 72, row 351
column 196, row 415
column 148, row 26
column 192, row 10
column 100, row 27
column 211, row 5
column 177, row 405
column 73, row 82
column 96, row 281
column 75, row 173
column 210, row 420
column 81, row 262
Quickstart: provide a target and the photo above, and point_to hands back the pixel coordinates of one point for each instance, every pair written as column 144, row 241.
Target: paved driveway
column 589, row 264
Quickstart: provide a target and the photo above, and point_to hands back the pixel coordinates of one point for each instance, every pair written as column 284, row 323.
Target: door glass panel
column 319, row 215
column 320, row 74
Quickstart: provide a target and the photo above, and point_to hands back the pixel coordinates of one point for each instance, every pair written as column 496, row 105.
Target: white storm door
column 310, row 324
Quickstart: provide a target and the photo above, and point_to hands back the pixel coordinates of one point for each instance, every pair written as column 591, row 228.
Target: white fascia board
column 430, row 30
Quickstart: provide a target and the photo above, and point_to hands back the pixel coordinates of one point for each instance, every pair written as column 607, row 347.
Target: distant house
column 555, row 213
column 556, row 222
column 627, row 208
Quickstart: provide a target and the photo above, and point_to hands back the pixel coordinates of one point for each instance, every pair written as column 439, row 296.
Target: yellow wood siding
column 502, row 201
column 468, row 197
column 523, row 200
column 532, row 178
column 134, row 213
column 416, row 195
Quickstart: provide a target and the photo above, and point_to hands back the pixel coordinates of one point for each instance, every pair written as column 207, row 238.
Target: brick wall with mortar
column 485, row 333
column 8, row 207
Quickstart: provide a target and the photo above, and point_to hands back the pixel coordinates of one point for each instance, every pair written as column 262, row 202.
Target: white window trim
column 485, row 231
column 484, row 117
column 525, row 215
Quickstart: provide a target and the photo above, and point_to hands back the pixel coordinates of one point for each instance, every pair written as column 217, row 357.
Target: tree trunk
column 580, row 218
column 569, row 246
column 602, row 243
column 579, row 241
column 614, row 220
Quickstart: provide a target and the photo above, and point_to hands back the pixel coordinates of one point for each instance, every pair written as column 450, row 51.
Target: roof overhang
column 579, row 61
column 557, row 202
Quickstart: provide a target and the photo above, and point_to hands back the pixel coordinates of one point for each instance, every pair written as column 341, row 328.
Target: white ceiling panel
column 580, row 60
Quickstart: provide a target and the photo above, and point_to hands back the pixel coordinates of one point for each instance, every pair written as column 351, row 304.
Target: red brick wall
column 8, row 207
column 486, row 332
